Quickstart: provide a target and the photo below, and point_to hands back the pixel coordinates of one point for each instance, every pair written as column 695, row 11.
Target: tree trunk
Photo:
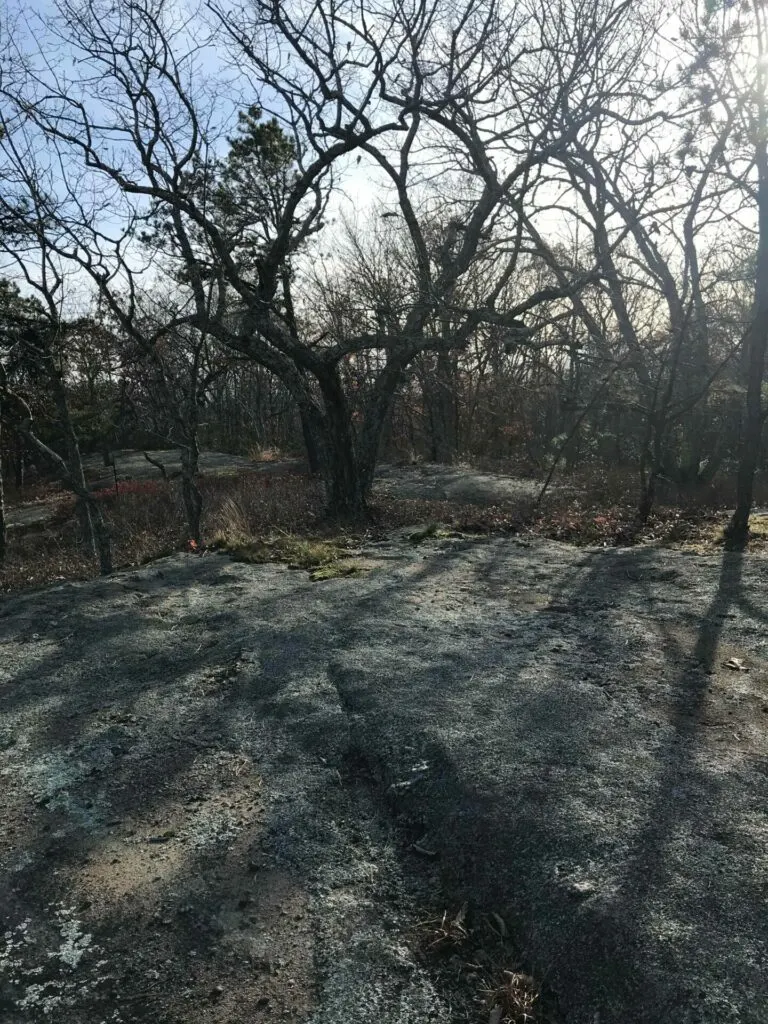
column 344, row 487
column 74, row 461
column 311, row 444
column 443, row 414
column 345, row 498
column 346, row 461
column 193, row 499
column 101, row 537
column 3, row 529
column 650, row 467
column 377, row 412
column 647, row 497
column 94, row 528
column 756, row 344
column 18, row 466
column 647, row 476
column 738, row 528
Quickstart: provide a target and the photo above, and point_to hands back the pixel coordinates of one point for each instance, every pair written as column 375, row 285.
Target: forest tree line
column 358, row 229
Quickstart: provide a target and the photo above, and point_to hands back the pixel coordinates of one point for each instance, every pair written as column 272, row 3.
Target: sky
column 362, row 187
column 222, row 88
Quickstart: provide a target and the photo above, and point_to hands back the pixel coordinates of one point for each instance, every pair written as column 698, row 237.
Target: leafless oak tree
column 487, row 96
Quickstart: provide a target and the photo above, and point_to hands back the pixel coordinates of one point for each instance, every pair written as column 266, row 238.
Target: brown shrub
column 146, row 521
column 250, row 504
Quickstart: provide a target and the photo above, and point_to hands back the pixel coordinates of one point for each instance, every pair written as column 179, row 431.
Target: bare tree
column 170, row 367
column 493, row 93
column 36, row 331
column 649, row 214
column 727, row 46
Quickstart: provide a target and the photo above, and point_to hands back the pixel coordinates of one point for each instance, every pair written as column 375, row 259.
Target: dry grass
column 258, row 454
column 276, row 515
column 251, row 504
column 447, row 932
column 37, row 557
column 295, row 552
column 433, row 531
column 513, row 1000
column 273, row 516
column 478, row 956
column 338, row 570
column 758, row 528
column 266, row 516
column 143, row 525
column 37, row 490
column 758, row 532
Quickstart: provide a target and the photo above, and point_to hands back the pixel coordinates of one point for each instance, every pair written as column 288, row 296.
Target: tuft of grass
column 758, row 531
column 435, row 531
column 232, row 519
column 514, row 999
column 295, row 552
column 432, row 531
column 445, row 932
column 424, row 533
column 337, row 570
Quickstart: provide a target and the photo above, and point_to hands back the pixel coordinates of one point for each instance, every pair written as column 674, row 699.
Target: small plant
column 445, row 933
column 336, row 570
column 233, row 522
column 424, row 533
column 296, row 552
column 513, row 1000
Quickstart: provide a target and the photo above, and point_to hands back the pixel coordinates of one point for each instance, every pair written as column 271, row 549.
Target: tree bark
column 344, row 486
column 101, row 537
column 311, row 445
column 444, row 442
column 3, row 528
column 647, row 497
column 751, row 443
column 756, row 344
column 378, row 410
column 193, row 499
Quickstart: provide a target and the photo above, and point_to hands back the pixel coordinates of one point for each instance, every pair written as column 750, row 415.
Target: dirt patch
column 171, row 849
column 231, row 793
